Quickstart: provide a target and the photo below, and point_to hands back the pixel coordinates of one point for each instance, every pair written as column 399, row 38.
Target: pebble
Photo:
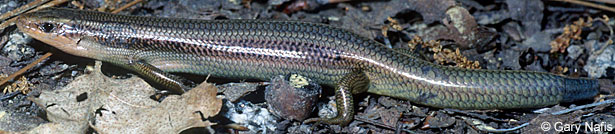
column 292, row 97
column 256, row 118
column 574, row 51
column 17, row 49
column 12, row 4
column 597, row 64
column 539, row 42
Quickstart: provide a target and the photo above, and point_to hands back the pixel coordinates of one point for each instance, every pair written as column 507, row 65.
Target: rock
column 293, row 100
column 8, row 5
column 529, row 12
column 54, row 68
column 597, row 64
column 276, row 2
column 491, row 17
column 539, row 42
column 327, row 110
column 513, row 30
column 574, row 51
column 510, row 59
column 15, row 121
column 440, row 120
column 17, row 49
column 4, row 65
column 234, row 91
column 256, row 118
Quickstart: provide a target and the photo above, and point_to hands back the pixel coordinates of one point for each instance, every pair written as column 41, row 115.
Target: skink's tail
column 579, row 89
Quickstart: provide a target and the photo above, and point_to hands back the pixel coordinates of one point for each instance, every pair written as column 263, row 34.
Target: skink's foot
column 162, row 92
column 345, row 113
column 344, row 106
column 188, row 84
column 352, row 83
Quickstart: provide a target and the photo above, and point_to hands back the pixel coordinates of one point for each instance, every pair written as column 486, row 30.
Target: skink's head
column 53, row 26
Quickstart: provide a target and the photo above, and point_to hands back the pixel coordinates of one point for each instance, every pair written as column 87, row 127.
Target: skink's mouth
column 30, row 25
column 50, row 29
column 26, row 24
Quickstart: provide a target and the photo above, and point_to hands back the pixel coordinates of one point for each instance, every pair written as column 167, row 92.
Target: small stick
column 584, row 106
column 509, row 129
column 8, row 95
column 50, row 4
column 486, row 128
column 29, row 66
column 7, row 23
column 604, row 1
column 126, row 6
column 589, row 4
column 11, row 21
column 23, row 70
column 482, row 117
column 22, row 9
column 610, row 41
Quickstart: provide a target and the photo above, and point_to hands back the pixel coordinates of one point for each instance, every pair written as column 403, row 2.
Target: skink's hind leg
column 169, row 81
column 352, row 83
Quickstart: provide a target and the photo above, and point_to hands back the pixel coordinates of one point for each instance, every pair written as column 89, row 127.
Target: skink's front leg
column 169, row 81
column 352, row 83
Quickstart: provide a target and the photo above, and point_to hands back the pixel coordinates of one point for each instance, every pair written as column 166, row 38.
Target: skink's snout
column 35, row 23
column 52, row 27
column 24, row 24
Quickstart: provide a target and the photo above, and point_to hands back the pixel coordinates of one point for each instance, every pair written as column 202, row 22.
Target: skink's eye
column 46, row 27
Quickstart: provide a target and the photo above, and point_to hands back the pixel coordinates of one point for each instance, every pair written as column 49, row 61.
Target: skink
column 261, row 49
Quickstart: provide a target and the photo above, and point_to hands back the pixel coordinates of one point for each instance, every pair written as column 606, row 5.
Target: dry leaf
column 174, row 114
column 123, row 106
column 67, row 127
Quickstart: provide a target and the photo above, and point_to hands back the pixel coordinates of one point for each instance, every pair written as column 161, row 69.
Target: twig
column 484, row 127
column 605, row 96
column 53, row 3
column 7, row 23
column 126, row 6
column 11, row 21
column 583, row 107
column 9, row 95
column 589, row 4
column 331, row 1
column 29, row 66
column 581, row 9
column 554, row 30
column 482, row 117
column 23, row 70
column 3, row 40
column 511, row 129
column 608, row 42
column 22, row 9
column 604, row 1
column 50, row 4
